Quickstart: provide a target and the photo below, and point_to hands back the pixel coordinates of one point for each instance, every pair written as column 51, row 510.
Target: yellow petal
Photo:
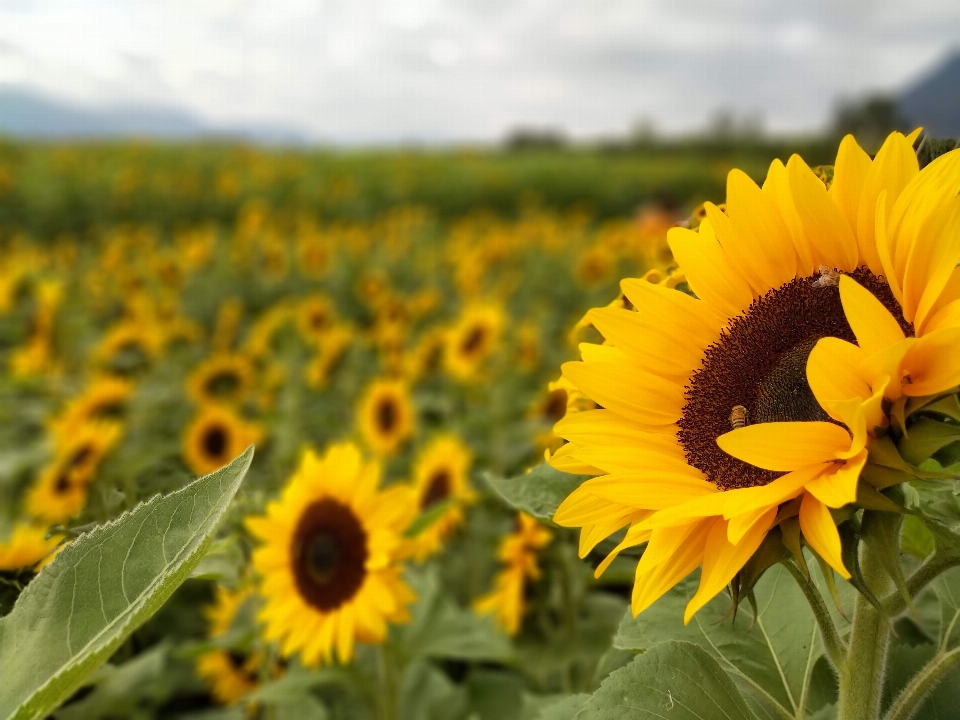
column 932, row 363
column 821, row 534
column 723, row 559
column 605, row 428
column 873, row 325
column 657, row 347
column 785, row 446
column 686, row 552
column 891, row 171
column 641, row 397
column 931, row 263
column 709, row 271
column 849, row 173
column 832, row 370
column 885, row 250
column 823, row 224
column 671, row 308
column 777, row 188
column 634, row 537
column 649, row 491
column 838, row 487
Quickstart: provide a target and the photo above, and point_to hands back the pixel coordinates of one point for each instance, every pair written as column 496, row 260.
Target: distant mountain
column 934, row 100
column 26, row 114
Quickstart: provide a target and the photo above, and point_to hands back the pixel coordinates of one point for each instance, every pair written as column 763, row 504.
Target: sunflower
column 61, row 490
column 561, row 399
column 754, row 404
column 105, row 398
column 440, row 475
column 329, row 349
column 518, row 553
column 129, row 346
column 386, row 415
column 223, row 378
column 215, row 437
column 328, row 558
column 27, row 547
column 229, row 674
column 426, row 358
column 316, row 317
column 472, row 340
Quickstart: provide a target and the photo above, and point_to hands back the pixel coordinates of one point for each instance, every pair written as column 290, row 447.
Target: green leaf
column 773, row 655
column 562, row 709
column 439, row 628
column 426, row 693
column 915, row 539
column 947, row 588
column 101, row 587
column 429, row 517
column 538, row 492
column 881, row 532
column 676, row 680
column 926, row 437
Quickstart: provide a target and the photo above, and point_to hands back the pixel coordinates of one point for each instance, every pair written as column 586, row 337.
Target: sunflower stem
column 862, row 673
column 911, row 697
column 832, row 644
column 894, row 603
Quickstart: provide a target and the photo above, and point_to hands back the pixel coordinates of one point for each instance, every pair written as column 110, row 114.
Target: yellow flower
column 316, row 316
column 715, row 426
column 215, row 437
column 518, row 552
column 224, row 378
column 61, row 490
column 385, row 415
column 129, row 346
column 230, row 675
column 27, row 547
column 105, row 398
column 472, row 340
column 330, row 348
column 327, row 558
column 441, row 474
column 226, row 603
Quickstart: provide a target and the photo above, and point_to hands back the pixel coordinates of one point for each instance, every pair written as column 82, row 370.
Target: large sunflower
column 215, row 437
column 385, row 415
column 755, row 403
column 440, row 475
column 328, row 558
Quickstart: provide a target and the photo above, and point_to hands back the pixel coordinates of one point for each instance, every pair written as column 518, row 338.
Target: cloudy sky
column 440, row 70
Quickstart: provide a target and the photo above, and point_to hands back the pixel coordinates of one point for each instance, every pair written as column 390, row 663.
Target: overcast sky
column 440, row 70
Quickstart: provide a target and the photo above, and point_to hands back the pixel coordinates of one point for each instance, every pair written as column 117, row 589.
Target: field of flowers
column 387, row 331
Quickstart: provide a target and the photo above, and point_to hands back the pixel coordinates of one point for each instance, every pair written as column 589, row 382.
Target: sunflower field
column 671, row 433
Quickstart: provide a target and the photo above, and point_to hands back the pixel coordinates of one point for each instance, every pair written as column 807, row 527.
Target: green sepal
column 898, row 414
column 831, row 581
column 946, row 405
column 869, row 498
column 771, row 551
column 881, row 532
column 927, row 436
column 790, row 532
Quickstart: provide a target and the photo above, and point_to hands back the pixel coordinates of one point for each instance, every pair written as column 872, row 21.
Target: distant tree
column 870, row 119
column 529, row 138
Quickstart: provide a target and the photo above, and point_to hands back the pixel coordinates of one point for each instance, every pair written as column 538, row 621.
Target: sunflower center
column 386, row 415
column 223, row 383
column 215, row 441
column 756, row 371
column 474, row 340
column 80, row 456
column 62, row 485
column 329, row 554
column 555, row 409
column 437, row 491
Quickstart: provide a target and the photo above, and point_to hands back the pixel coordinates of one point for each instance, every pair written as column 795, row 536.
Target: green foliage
column 672, row 679
column 773, row 656
column 103, row 586
column 538, row 492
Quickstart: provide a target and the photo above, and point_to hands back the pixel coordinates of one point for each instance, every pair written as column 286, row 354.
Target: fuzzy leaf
column 773, row 656
column 538, row 492
column 675, row 680
column 101, row 587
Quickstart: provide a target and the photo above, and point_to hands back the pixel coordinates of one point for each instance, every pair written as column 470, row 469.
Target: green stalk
column 832, row 644
column 911, row 697
column 861, row 677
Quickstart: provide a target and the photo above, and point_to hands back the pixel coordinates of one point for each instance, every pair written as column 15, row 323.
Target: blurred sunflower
column 327, row 558
column 440, row 475
column 472, row 340
column 61, row 490
column 215, row 437
column 329, row 349
column 27, row 547
column 315, row 317
column 225, row 378
column 728, row 414
column 385, row 414
column 561, row 399
column 105, row 398
column 129, row 347
column 518, row 553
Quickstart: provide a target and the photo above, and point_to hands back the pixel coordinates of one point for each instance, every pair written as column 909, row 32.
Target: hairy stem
column 861, row 676
column 911, row 697
column 832, row 644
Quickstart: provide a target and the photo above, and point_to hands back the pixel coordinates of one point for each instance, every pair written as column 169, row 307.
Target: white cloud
column 384, row 70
